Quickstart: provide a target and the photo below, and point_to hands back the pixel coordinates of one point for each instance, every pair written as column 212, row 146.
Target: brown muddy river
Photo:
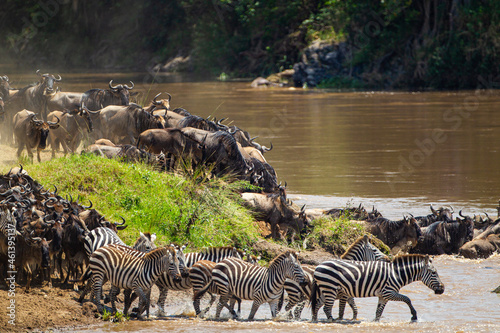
column 398, row 151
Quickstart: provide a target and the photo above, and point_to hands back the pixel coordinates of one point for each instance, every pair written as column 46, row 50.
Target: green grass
column 199, row 211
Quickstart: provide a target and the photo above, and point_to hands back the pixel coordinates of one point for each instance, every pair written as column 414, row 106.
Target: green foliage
column 197, row 210
column 335, row 235
column 118, row 317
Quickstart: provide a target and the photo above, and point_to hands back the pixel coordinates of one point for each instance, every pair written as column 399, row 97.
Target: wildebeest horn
column 54, row 123
column 154, row 99
column 220, row 121
column 231, row 132
column 255, row 137
column 460, row 213
column 128, row 86
column 89, row 111
column 434, row 211
column 8, row 192
column 169, row 96
column 451, row 209
column 303, row 208
column 38, row 72
column 59, row 79
column 88, row 207
column 111, row 86
column 122, row 222
column 267, row 149
column 486, row 214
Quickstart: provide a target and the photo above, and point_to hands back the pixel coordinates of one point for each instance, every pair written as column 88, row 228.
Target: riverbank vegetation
column 392, row 44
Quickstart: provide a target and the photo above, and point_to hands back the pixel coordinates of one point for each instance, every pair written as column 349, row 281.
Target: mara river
column 397, row 151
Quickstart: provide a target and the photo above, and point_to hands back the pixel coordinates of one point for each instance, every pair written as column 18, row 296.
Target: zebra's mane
column 160, row 251
column 281, row 257
column 404, row 257
column 361, row 239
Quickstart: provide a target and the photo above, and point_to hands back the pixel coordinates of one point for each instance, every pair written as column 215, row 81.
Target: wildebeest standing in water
column 31, row 132
column 96, row 99
column 398, row 235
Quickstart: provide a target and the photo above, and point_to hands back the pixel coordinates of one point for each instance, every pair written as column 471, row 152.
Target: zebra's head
column 172, row 262
column 181, row 257
column 294, row 270
column 145, row 242
column 430, row 277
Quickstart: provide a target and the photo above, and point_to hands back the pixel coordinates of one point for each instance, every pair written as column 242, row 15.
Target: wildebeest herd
column 50, row 228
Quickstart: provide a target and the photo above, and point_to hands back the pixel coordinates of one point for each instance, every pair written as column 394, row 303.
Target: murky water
column 398, row 151
column 467, row 305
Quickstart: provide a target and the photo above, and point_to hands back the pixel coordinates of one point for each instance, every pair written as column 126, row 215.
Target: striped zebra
column 201, row 274
column 237, row 278
column 370, row 279
column 132, row 270
column 102, row 236
column 215, row 254
column 360, row 250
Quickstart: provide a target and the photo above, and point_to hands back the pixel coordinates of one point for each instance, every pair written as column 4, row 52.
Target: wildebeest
column 170, row 141
column 440, row 214
column 398, row 235
column 32, row 253
column 74, row 232
column 444, row 237
column 125, row 125
column 31, row 132
column 199, row 123
column 61, row 101
column 219, row 148
column 274, row 209
column 36, row 96
column 243, row 138
column 480, row 247
column 71, row 131
column 96, row 99
column 156, row 106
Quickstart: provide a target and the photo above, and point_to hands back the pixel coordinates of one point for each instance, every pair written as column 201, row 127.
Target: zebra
column 201, row 274
column 237, row 278
column 360, row 250
column 102, row 236
column 132, row 270
column 215, row 254
column 370, row 279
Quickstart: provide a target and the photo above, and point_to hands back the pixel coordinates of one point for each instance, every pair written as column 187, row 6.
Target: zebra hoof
column 414, row 319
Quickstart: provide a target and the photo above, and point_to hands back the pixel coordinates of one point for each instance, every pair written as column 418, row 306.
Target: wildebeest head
column 85, row 114
column 121, row 91
column 43, row 128
column 443, row 214
column 162, row 104
column 47, row 81
column 4, row 86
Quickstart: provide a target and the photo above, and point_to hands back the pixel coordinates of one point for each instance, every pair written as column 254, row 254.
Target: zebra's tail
column 199, row 294
column 314, row 295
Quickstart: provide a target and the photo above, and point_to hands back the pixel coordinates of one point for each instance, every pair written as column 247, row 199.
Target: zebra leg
column 354, row 308
column 395, row 296
column 274, row 307
column 112, row 296
column 380, row 308
column 212, row 300
column 222, row 302
column 97, row 287
column 233, row 300
column 143, row 302
column 255, row 306
column 127, row 300
column 330, row 295
column 298, row 309
column 161, row 300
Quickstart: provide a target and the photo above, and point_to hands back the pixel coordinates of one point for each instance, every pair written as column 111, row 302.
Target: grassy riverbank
column 178, row 209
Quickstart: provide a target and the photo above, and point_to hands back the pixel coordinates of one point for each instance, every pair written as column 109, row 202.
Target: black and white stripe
column 360, row 250
column 372, row 279
column 102, row 236
column 201, row 275
column 237, row 278
column 214, row 254
column 132, row 270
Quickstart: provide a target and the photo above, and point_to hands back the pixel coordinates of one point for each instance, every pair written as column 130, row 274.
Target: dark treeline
column 420, row 43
